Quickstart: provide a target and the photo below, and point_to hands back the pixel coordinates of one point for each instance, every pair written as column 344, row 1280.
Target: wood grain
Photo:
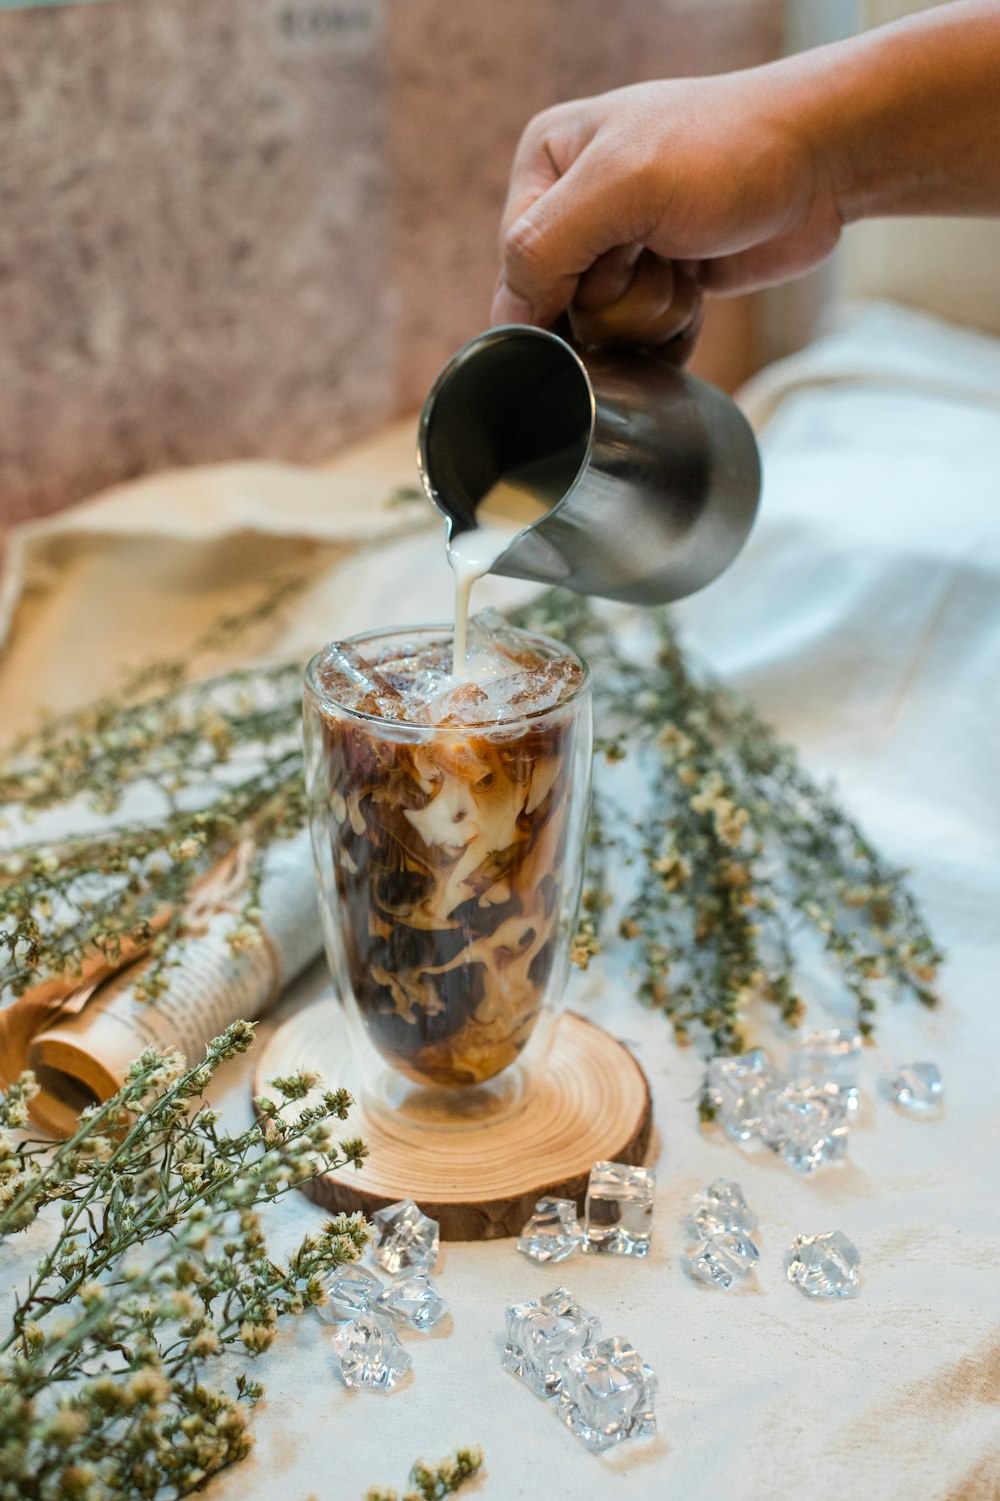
column 481, row 1183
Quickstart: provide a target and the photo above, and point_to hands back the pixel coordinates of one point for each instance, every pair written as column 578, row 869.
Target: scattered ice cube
column 829, row 1056
column 917, row 1087
column 722, row 1259
column 553, row 1232
column 368, row 1353
column 719, row 1207
column 608, row 1394
column 543, row 1334
column 350, row 1290
column 405, row 1237
column 824, row 1266
column 736, row 1087
column 806, row 1124
column 413, row 1299
column 619, row 1212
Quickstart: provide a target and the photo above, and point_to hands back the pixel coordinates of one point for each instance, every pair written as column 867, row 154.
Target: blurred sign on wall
column 340, row 24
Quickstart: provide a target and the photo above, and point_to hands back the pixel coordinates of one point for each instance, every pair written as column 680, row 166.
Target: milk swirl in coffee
column 450, row 801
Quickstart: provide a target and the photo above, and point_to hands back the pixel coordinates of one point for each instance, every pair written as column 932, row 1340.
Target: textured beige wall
column 257, row 227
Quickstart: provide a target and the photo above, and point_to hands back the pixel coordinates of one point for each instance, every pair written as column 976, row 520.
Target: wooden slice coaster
column 482, row 1183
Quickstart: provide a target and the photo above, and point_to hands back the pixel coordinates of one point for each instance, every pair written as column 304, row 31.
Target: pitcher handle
column 661, row 299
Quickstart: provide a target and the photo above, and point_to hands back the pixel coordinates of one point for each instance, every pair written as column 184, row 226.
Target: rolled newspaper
column 79, row 1035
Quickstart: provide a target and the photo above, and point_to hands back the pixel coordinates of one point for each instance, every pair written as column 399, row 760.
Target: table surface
column 863, row 620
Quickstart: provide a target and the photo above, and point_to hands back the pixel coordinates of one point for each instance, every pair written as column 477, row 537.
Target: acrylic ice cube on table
column 405, row 1238
column 824, row 1266
column 722, row 1259
column 618, row 1218
column 553, row 1232
column 541, row 1335
column 412, row 1299
column 608, row 1394
column 368, row 1353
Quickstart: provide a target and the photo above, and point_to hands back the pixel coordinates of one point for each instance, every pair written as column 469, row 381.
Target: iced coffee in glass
column 447, row 818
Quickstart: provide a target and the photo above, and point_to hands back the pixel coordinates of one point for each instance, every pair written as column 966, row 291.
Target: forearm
column 741, row 180
column 906, row 119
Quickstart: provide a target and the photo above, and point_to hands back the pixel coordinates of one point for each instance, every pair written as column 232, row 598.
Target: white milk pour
column 514, row 502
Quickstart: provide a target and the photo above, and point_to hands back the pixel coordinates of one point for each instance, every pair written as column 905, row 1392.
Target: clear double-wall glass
column 449, row 859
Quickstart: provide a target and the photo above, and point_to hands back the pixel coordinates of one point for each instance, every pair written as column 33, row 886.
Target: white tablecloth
column 864, row 621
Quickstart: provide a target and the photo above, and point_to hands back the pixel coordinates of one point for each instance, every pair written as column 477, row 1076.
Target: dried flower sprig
column 739, row 849
column 158, row 1265
column 181, row 772
column 434, row 1482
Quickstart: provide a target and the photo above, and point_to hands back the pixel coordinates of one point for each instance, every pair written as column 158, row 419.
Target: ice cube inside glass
column 447, row 819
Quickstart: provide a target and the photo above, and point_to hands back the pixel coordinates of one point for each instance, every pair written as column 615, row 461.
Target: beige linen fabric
column 864, row 619
column 143, row 569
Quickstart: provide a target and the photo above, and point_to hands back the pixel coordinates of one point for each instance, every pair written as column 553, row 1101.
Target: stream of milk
column 513, row 503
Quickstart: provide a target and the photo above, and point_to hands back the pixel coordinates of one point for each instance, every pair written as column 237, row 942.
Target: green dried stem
column 180, row 777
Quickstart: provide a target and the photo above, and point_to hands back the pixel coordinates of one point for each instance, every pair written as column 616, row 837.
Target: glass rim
column 327, row 699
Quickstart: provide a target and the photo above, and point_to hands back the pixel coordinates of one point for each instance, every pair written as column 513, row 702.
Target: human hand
column 624, row 208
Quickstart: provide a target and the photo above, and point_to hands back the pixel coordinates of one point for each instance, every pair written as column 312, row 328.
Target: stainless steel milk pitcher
column 652, row 477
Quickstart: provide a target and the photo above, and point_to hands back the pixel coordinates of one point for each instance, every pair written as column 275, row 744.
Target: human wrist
column 863, row 117
column 818, row 97
column 803, row 153
column 902, row 119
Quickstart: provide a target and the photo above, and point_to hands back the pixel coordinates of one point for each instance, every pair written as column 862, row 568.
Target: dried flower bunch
column 739, row 850
column 157, row 1265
